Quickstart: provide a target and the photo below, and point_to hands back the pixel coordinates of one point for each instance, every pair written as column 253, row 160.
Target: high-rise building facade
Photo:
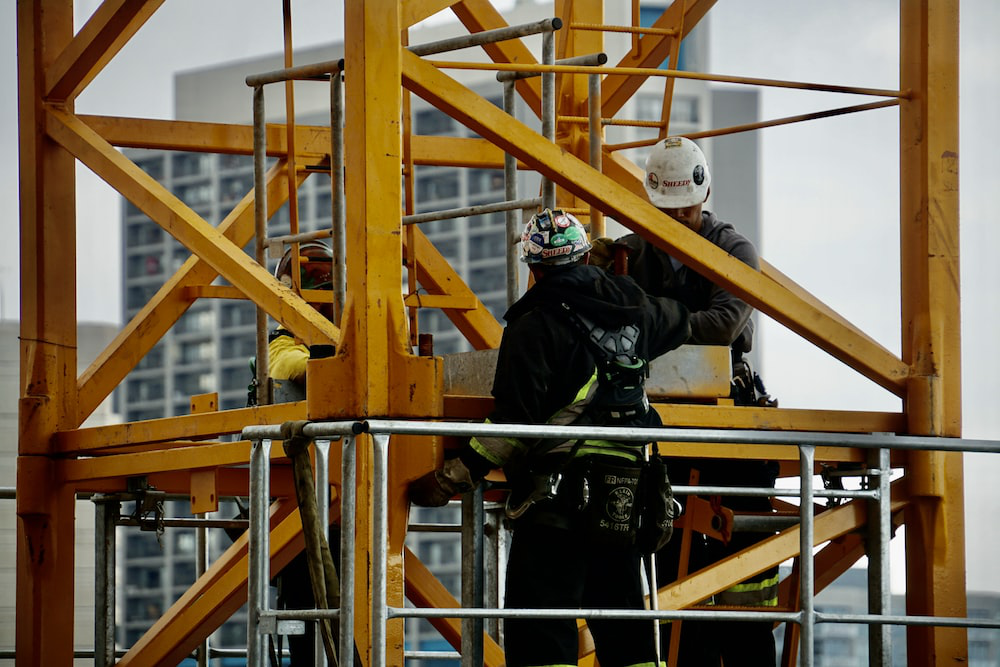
column 209, row 348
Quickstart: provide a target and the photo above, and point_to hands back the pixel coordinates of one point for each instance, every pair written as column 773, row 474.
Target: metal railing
column 263, row 619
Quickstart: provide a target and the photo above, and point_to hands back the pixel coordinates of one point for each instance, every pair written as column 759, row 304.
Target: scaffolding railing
column 264, row 620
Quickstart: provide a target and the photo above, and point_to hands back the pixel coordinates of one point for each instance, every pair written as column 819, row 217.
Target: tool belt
column 617, row 503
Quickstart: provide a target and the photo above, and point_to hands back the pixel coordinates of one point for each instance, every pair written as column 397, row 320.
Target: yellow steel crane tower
column 376, row 372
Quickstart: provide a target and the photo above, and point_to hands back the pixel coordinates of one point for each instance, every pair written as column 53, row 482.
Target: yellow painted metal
column 375, row 371
column 169, row 303
column 190, row 229
column 929, row 236
column 426, row 591
column 576, row 176
column 215, row 596
column 47, row 399
column 104, row 34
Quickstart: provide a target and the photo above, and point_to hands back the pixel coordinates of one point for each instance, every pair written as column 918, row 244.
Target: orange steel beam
column 47, row 399
column 860, row 352
column 99, row 40
column 204, row 240
column 424, row 590
column 217, row 594
column 829, row 525
column 436, row 275
column 415, row 11
column 480, row 15
column 170, row 302
column 106, row 439
column 617, row 89
column 929, row 237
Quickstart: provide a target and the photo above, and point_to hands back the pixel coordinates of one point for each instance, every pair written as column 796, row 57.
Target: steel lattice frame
column 376, row 372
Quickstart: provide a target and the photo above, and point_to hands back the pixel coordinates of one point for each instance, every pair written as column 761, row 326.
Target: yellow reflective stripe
column 754, row 585
column 751, row 594
column 606, row 448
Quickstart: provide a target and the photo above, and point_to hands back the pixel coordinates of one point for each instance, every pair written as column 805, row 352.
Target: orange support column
column 45, row 548
column 374, row 372
column 929, row 219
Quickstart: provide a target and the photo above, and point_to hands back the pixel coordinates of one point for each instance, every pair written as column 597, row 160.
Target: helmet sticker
column 572, row 234
column 672, row 142
column 539, row 238
column 556, row 251
column 558, row 240
column 653, row 180
column 699, row 174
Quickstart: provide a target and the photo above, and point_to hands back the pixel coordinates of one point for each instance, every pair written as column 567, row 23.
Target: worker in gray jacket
column 678, row 182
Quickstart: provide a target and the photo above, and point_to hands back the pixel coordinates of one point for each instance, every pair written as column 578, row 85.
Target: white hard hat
column 677, row 174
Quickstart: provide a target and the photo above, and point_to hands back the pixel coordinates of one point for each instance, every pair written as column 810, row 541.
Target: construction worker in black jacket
column 678, row 183
column 547, row 373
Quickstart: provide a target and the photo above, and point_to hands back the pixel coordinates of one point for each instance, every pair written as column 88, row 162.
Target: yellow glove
column 602, row 253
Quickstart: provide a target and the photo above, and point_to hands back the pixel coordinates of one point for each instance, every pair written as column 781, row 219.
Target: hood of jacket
column 607, row 299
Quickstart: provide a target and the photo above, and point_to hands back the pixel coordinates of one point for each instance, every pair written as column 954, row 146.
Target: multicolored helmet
column 553, row 238
column 315, row 266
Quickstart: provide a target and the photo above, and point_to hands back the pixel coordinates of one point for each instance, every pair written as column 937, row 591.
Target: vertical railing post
column 380, row 549
column 337, row 194
column 548, row 110
column 260, row 233
column 472, row 575
column 258, row 551
column 105, row 513
column 348, row 517
column 879, row 532
column 321, row 449
column 512, row 216
column 807, row 456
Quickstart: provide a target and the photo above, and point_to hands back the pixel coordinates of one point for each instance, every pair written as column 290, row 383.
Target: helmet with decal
column 553, row 238
column 315, row 266
column 677, row 174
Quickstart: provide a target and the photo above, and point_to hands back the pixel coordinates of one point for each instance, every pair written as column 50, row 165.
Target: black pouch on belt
column 611, row 517
column 658, row 507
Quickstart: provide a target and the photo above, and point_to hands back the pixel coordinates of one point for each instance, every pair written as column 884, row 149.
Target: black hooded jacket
column 544, row 359
column 717, row 317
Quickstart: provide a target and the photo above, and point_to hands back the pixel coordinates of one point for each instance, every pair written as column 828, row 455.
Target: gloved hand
column 602, row 254
column 437, row 487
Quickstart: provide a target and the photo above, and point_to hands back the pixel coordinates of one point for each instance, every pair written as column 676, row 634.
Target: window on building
column 141, row 233
column 647, row 16
column 142, row 545
column 233, row 188
column 192, row 384
column 438, row 186
column 153, row 359
column 145, row 389
column 152, row 166
column 237, row 314
column 196, row 194
column 432, row 121
column 143, row 577
column 490, row 244
column 192, row 164
column 488, row 279
column 195, row 321
column 481, row 181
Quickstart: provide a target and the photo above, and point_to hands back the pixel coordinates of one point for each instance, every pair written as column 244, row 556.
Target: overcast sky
column 830, row 188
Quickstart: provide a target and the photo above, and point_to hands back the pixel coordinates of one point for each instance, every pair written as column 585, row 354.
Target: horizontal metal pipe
column 631, row 434
column 478, row 209
column 184, row 522
column 486, row 37
column 679, row 74
column 767, row 492
column 938, row 621
column 588, row 60
column 318, row 71
column 627, row 614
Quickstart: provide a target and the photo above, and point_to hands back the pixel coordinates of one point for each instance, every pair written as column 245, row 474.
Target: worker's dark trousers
column 556, row 567
column 711, row 643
